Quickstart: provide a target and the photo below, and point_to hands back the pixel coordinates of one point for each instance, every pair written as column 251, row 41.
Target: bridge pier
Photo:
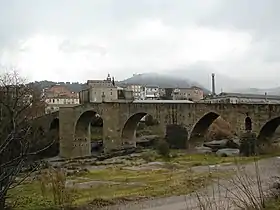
column 111, row 129
column 82, row 142
column 73, row 144
column 66, row 132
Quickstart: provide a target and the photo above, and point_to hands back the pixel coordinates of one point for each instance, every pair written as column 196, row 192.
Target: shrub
column 141, row 126
column 219, row 129
column 176, row 136
column 149, row 121
column 148, row 156
column 163, row 149
column 53, row 181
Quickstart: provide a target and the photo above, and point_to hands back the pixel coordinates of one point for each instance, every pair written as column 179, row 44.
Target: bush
column 149, row 121
column 163, row 149
column 53, row 181
column 267, row 147
column 176, row 136
column 148, row 156
column 141, row 126
column 219, row 129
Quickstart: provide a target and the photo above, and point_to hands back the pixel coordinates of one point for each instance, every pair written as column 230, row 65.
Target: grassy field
column 117, row 183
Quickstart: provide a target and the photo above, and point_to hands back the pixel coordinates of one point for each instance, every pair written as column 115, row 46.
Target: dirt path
column 219, row 194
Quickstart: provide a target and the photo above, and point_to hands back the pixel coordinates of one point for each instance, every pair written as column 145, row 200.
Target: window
column 111, row 93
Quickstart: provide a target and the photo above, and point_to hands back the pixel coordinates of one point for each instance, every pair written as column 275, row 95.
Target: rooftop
column 164, row 101
column 248, row 95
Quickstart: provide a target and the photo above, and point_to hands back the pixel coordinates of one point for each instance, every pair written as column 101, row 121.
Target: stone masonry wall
column 115, row 116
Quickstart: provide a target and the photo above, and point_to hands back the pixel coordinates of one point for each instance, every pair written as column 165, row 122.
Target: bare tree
column 18, row 107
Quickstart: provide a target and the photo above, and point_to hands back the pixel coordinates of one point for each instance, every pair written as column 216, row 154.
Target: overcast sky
column 77, row 40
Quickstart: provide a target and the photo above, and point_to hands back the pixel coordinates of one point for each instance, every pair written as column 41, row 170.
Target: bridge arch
column 54, row 125
column 268, row 129
column 83, row 129
column 53, row 136
column 40, row 131
column 200, row 128
column 128, row 134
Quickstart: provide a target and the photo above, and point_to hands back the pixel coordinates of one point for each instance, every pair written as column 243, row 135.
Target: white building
column 136, row 89
column 58, row 96
column 54, row 103
column 192, row 93
column 239, row 98
column 150, row 92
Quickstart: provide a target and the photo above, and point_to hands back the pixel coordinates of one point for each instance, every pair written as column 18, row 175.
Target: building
column 99, row 91
column 125, row 94
column 150, row 92
column 237, row 98
column 194, row 94
column 58, row 96
column 136, row 90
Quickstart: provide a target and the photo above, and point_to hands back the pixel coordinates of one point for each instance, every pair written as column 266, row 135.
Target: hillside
column 142, row 79
column 269, row 91
column 163, row 81
column 74, row 86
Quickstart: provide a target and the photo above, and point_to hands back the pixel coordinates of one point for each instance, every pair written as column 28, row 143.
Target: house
column 192, row 93
column 150, row 92
column 58, row 96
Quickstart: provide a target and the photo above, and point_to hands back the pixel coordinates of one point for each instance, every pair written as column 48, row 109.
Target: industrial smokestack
column 213, row 84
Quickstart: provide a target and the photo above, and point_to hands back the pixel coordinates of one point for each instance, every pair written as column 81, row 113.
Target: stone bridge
column 120, row 121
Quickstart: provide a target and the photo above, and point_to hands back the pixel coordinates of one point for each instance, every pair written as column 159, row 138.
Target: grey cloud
column 70, row 18
column 20, row 19
column 259, row 18
column 72, row 47
column 258, row 15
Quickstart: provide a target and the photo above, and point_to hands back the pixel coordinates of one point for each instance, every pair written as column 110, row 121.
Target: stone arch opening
column 84, row 130
column 96, row 134
column 55, row 124
column 248, row 124
column 210, row 127
column 139, row 129
column 53, row 136
column 39, row 143
column 268, row 130
column 40, row 131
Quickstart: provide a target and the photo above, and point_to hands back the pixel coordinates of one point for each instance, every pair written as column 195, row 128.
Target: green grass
column 153, row 183
column 28, row 196
column 201, row 160
column 147, row 183
column 191, row 160
column 163, row 185
column 271, row 204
